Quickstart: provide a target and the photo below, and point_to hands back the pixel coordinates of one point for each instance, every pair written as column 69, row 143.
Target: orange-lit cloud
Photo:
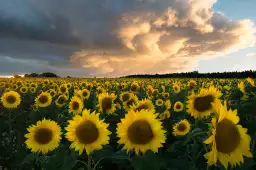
column 172, row 40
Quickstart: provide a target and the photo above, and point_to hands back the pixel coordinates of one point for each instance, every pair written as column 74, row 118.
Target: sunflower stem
column 89, row 163
column 95, row 166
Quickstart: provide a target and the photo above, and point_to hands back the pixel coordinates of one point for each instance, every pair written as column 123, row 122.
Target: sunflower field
column 127, row 124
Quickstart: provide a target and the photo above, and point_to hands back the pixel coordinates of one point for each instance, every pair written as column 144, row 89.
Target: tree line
column 196, row 74
column 47, row 74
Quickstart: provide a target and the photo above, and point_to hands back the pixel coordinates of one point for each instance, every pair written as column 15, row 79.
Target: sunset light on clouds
column 118, row 37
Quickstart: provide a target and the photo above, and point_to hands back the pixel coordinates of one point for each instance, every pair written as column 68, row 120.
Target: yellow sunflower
column 251, row 81
column 134, row 87
column 32, row 90
column 159, row 102
column 141, row 131
column 63, row 89
column 191, row 84
column 178, row 106
column 133, row 101
column 176, row 88
column 181, row 128
column 145, row 104
column 15, row 87
column 106, row 103
column 229, row 141
column 125, row 96
column 61, row 100
column 76, row 105
column 200, row 105
column 85, row 94
column 167, row 113
column 166, row 95
column 87, row 132
column 43, row 100
column 23, row 89
column 43, row 137
column 11, row 99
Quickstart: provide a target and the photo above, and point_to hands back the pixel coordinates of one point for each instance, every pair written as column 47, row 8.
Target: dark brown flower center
column 141, row 107
column 140, row 132
column 11, row 99
column 202, row 104
column 126, row 97
column 181, row 127
column 63, row 89
column 107, row 103
column 43, row 99
column 159, row 102
column 178, row 106
column 134, row 88
column 85, row 93
column 61, row 100
column 75, row 105
column 43, row 136
column 7, row 86
column 227, row 136
column 87, row 132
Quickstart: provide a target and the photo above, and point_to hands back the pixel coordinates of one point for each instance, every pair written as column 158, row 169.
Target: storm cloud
column 115, row 37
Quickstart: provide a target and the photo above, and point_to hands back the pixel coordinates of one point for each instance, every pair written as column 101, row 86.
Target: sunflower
column 19, row 83
column 87, row 132
column 141, row 131
column 191, row 84
column 46, row 82
column 106, row 103
column 181, row 128
column 176, row 88
column 166, row 114
column 44, row 99
column 76, row 105
column 200, row 105
column 150, row 91
column 85, row 94
column 23, row 89
column 32, row 90
column 43, row 137
column 2, row 84
column 61, row 101
column 11, row 99
column 101, row 90
column 52, row 93
column 63, row 89
column 229, row 141
column 133, row 101
column 159, row 102
column 134, row 87
column 251, row 81
column 144, row 104
column 15, row 87
column 178, row 106
column 166, row 95
column 125, row 96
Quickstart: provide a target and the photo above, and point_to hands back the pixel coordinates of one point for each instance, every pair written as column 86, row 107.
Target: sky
column 111, row 38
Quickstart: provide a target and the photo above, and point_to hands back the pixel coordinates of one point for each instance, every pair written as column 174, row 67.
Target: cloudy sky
column 87, row 38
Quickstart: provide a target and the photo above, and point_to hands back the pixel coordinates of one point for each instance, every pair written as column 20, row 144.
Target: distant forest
column 195, row 74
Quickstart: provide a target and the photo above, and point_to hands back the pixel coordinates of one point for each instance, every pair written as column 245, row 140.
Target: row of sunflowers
column 172, row 124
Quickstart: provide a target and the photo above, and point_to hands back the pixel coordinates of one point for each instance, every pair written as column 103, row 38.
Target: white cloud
column 169, row 41
column 253, row 54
